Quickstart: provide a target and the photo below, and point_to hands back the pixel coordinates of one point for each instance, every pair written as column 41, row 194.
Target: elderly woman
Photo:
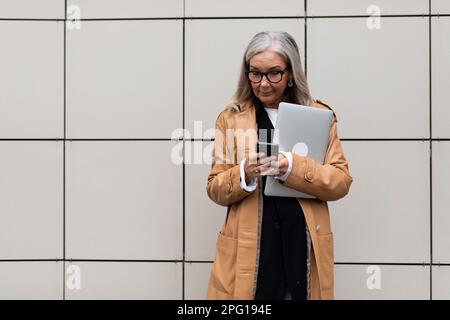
column 272, row 247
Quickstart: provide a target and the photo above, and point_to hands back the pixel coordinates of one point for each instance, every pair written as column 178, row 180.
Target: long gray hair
column 284, row 44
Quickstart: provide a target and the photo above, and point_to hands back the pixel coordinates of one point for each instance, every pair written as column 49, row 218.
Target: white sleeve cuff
column 288, row 156
column 252, row 186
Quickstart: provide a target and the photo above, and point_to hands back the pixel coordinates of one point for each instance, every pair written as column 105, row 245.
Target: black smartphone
column 267, row 148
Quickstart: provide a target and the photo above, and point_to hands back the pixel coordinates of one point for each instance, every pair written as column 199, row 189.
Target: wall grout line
column 350, row 16
column 64, row 152
column 417, row 264
column 183, row 293
column 431, row 148
column 418, row 15
column 306, row 39
column 212, row 139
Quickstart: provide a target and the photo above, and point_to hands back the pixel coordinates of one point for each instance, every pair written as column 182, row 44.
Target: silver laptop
column 302, row 130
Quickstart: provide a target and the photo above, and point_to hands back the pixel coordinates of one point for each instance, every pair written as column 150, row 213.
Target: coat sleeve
column 224, row 177
column 328, row 182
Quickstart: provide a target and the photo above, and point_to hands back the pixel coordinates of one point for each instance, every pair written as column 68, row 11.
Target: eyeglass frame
column 266, row 74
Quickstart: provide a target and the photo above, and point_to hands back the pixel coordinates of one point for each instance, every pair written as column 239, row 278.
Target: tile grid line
column 305, row 49
column 183, row 293
column 209, row 139
column 437, row 264
column 431, row 148
column 64, row 155
column 238, row 18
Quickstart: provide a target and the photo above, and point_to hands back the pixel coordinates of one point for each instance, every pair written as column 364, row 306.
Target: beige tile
column 441, row 202
column 31, row 219
column 31, row 280
column 196, row 280
column 31, row 78
column 441, row 280
column 366, row 83
column 251, row 8
column 382, row 282
column 203, row 217
column 123, row 201
column 386, row 215
column 440, row 50
column 106, row 9
column 440, row 6
column 129, row 84
column 364, row 7
column 125, row 281
column 30, row 9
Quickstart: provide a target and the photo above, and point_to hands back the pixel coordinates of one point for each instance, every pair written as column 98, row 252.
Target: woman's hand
column 256, row 164
column 277, row 167
column 283, row 165
column 259, row 165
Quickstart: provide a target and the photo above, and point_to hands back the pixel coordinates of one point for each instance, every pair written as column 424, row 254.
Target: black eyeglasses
column 272, row 76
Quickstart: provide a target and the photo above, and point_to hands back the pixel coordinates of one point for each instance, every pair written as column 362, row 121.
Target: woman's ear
column 290, row 75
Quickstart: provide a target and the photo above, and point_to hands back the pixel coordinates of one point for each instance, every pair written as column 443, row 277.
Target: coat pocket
column 223, row 273
column 326, row 261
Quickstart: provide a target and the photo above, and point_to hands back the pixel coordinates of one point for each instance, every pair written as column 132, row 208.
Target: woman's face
column 270, row 94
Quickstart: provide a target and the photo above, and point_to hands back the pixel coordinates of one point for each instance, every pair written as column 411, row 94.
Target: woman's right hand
column 255, row 164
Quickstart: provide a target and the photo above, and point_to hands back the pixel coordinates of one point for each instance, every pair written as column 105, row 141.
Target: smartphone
column 267, row 148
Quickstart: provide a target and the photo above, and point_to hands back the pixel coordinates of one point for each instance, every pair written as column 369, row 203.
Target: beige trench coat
column 234, row 271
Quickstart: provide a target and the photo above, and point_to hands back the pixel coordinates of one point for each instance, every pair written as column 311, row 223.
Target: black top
column 282, row 258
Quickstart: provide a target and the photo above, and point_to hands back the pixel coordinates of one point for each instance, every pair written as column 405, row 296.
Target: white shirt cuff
column 288, row 156
column 252, row 185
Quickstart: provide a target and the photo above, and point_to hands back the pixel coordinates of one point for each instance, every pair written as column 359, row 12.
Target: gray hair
column 284, row 44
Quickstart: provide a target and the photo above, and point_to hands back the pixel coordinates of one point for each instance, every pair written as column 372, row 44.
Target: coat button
column 276, row 226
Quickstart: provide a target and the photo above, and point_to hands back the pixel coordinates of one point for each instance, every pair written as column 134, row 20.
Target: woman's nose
column 265, row 82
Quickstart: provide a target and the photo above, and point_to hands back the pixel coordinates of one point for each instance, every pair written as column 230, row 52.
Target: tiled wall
column 86, row 121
